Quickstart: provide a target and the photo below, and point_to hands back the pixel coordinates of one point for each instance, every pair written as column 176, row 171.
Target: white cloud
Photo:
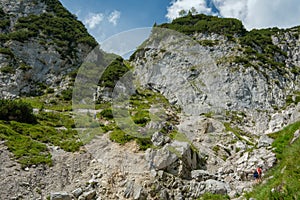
column 93, row 19
column 178, row 5
column 253, row 13
column 114, row 17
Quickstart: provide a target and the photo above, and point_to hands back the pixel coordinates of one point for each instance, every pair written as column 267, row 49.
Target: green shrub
column 117, row 135
column 113, row 73
column 209, row 43
column 25, row 67
column 22, row 35
column 27, row 151
column 7, row 70
column 17, row 111
column 67, row 94
column 144, row 143
column 107, row 113
column 209, row 196
column 206, row 24
column 60, row 25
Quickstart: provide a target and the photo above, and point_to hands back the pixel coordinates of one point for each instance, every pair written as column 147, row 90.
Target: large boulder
column 177, row 158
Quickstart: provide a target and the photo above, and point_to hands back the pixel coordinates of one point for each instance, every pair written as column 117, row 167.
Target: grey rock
column 296, row 136
column 60, row 196
column 138, row 193
column 77, row 192
column 164, row 195
column 264, row 141
column 88, row 195
column 202, row 175
column 158, row 139
column 129, row 189
column 216, row 187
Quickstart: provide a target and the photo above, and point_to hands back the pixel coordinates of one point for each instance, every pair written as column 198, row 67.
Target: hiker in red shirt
column 257, row 174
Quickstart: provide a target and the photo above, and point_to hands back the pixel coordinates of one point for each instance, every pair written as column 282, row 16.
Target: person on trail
column 257, row 174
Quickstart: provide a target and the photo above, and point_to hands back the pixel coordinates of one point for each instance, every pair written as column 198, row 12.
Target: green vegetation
column 58, row 24
column 283, row 138
column 7, row 69
column 16, row 110
column 27, row 151
column 119, row 136
column 62, row 28
column 67, row 94
column 107, row 113
column 4, row 20
column 285, row 180
column 293, row 98
column 49, row 101
column 27, row 135
column 6, row 51
column 209, row 196
column 206, row 24
column 209, row 43
column 113, row 73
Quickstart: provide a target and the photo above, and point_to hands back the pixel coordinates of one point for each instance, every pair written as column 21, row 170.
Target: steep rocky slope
column 41, row 43
column 202, row 93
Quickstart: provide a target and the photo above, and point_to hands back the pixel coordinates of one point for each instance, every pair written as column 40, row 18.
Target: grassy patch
column 49, row 101
column 285, row 181
column 28, row 142
column 209, row 196
column 25, row 149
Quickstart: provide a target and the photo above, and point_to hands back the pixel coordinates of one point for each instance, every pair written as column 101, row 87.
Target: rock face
column 31, row 62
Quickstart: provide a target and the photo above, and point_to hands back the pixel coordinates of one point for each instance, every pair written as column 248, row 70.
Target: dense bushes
column 113, row 73
column 17, row 111
column 67, row 94
column 58, row 24
column 206, row 24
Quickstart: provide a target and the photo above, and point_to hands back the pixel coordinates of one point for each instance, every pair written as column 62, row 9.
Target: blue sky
column 105, row 18
column 128, row 14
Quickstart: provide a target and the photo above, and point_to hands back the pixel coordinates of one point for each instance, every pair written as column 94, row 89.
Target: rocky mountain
column 41, row 44
column 190, row 115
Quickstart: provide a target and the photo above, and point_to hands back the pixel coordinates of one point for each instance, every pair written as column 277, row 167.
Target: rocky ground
column 205, row 161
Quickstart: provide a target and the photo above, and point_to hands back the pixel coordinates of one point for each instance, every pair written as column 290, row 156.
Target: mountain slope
column 190, row 114
column 41, row 43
